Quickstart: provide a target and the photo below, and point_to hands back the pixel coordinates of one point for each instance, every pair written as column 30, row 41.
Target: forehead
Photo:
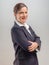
column 23, row 9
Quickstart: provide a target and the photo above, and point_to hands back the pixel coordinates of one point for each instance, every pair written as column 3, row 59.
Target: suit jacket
column 20, row 37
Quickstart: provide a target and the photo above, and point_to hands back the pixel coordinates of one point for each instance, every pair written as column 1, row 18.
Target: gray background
column 38, row 19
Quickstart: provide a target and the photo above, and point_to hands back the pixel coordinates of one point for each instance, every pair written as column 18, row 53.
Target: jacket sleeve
column 19, row 38
column 37, row 39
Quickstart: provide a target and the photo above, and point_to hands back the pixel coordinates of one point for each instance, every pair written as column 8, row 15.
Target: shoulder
column 16, row 27
column 16, row 30
column 13, row 28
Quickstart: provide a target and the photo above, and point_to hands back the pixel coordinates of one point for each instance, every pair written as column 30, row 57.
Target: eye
column 26, row 12
column 20, row 12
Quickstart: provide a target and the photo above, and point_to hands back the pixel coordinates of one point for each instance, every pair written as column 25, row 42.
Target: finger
column 31, row 50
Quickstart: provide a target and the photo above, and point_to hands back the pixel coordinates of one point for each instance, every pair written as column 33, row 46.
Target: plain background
column 38, row 19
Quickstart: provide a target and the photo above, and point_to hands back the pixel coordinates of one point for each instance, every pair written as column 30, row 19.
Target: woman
column 25, row 41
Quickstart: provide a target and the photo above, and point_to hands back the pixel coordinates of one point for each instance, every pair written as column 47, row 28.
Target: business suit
column 20, row 37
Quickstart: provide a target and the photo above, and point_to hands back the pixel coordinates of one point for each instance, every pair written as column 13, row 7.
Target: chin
column 23, row 21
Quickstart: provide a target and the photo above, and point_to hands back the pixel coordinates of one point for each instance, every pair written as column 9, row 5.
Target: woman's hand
column 33, row 46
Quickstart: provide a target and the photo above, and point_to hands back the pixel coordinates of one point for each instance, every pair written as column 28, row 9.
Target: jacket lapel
column 27, row 34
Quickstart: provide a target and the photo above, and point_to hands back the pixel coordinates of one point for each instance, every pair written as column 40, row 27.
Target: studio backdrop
column 38, row 18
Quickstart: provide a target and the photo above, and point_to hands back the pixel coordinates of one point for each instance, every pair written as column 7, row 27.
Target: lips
column 23, row 17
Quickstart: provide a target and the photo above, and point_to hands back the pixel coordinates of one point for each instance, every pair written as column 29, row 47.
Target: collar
column 25, row 24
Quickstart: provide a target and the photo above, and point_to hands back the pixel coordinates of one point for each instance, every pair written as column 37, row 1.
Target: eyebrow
column 23, row 12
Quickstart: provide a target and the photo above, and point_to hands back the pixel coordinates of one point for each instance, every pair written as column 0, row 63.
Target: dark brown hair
column 18, row 6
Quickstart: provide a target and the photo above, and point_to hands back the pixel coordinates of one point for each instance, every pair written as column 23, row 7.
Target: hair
column 18, row 6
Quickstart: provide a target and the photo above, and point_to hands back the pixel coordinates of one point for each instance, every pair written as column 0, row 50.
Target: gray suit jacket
column 20, row 37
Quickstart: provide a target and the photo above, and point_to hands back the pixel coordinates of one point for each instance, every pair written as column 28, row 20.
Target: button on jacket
column 20, row 38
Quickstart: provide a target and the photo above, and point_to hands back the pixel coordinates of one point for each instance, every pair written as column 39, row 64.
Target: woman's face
column 22, row 15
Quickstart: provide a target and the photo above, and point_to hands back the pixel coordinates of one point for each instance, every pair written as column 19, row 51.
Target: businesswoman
column 25, row 41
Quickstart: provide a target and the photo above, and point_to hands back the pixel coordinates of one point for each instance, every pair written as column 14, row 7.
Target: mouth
column 24, row 18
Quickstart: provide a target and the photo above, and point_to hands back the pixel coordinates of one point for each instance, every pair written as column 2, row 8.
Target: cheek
column 18, row 17
column 21, row 15
column 27, row 15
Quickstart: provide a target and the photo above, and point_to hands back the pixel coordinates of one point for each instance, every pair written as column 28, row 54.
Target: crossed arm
column 19, row 38
column 33, row 46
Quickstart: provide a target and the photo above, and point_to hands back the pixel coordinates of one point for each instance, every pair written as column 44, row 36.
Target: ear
column 14, row 14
